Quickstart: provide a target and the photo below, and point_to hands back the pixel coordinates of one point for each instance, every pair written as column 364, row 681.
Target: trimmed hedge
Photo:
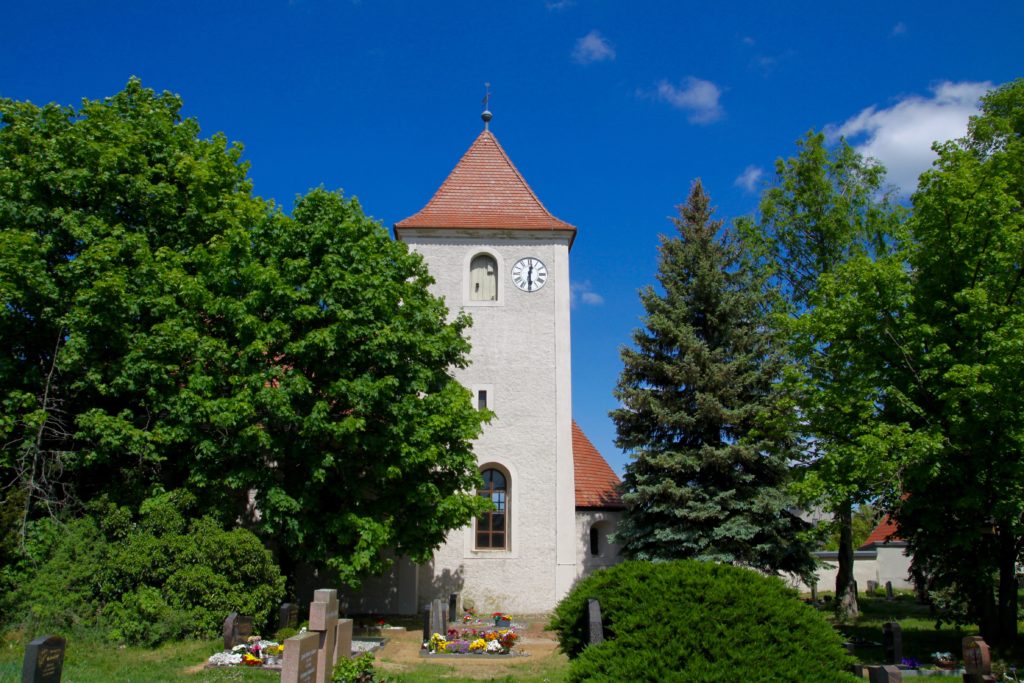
column 696, row 621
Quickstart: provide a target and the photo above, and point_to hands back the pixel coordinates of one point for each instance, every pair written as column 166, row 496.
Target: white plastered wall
column 521, row 354
column 606, row 522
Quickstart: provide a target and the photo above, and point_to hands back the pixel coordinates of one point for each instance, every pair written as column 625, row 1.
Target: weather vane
column 487, row 116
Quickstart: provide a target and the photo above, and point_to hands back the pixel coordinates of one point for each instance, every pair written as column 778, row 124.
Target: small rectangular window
column 481, row 399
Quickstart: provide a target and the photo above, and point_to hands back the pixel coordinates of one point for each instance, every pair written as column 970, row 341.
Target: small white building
column 498, row 254
column 881, row 558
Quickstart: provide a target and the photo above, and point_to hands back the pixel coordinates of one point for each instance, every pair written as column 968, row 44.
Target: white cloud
column 592, row 48
column 901, row 136
column 750, row 178
column 899, row 29
column 697, row 96
column 582, row 293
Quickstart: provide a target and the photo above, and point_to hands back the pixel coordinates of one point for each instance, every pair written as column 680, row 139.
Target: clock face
column 529, row 274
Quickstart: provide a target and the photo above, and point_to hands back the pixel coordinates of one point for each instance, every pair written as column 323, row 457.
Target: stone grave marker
column 342, row 640
column 885, row 674
column 814, row 592
column 437, row 622
column 323, row 620
column 44, row 660
column 288, row 616
column 299, row 665
column 977, row 660
column 236, row 629
column 889, row 593
column 426, row 623
column 872, row 586
column 596, row 627
column 856, row 590
column 892, row 640
column 454, row 606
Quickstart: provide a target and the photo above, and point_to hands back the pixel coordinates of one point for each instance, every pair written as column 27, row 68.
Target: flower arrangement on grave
column 944, row 660
column 468, row 615
column 472, row 641
column 500, row 617
column 253, row 652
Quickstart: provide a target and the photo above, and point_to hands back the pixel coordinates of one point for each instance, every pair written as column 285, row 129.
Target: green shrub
column 696, row 621
column 146, row 580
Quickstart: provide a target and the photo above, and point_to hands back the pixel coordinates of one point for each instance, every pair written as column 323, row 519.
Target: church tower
column 497, row 254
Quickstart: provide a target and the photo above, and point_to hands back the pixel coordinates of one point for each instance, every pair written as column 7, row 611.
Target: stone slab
column 44, row 660
column 342, row 640
column 325, row 651
column 300, row 658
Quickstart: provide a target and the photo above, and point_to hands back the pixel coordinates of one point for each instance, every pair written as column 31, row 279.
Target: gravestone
column 977, row 661
column 872, row 586
column 342, row 640
column 437, row 622
column 453, row 606
column 885, row 674
column 236, row 629
column 596, row 630
column 323, row 620
column 426, row 623
column 889, row 593
column 856, row 590
column 814, row 592
column 288, row 616
column 44, row 660
column 892, row 639
column 299, row 664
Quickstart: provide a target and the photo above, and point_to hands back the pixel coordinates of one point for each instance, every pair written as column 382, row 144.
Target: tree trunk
column 1007, row 600
column 846, row 594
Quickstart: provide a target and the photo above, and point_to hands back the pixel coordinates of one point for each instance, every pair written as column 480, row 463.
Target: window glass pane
column 481, row 399
column 499, row 479
column 482, row 540
column 498, row 498
column 497, row 540
column 498, row 522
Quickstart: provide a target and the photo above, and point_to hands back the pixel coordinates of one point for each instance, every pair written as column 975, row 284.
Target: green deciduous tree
column 163, row 329
column 961, row 382
column 701, row 415
column 826, row 209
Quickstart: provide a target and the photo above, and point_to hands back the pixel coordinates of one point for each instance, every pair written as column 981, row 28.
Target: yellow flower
column 478, row 645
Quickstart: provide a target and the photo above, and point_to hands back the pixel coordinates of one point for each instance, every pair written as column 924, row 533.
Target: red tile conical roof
column 485, row 191
column 596, row 482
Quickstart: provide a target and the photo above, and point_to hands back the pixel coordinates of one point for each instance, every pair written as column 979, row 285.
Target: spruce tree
column 701, row 415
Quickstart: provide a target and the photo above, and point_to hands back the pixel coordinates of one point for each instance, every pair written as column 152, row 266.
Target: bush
column 145, row 580
column 696, row 621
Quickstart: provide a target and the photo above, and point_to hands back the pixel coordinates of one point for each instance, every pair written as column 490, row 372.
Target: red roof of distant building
column 596, row 482
column 885, row 532
column 485, row 191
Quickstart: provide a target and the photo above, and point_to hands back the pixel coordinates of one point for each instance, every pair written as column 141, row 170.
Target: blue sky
column 609, row 109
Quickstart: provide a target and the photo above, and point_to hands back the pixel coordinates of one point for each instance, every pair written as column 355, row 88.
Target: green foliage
column 702, row 415
column 961, row 366
column 162, row 329
column 696, row 621
column 825, row 220
column 356, row 670
column 864, row 520
column 144, row 580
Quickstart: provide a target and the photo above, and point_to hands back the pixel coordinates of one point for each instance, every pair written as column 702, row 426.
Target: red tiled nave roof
column 485, row 191
column 885, row 532
column 596, row 481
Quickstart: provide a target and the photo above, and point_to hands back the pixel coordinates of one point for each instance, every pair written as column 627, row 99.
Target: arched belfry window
column 483, row 278
column 492, row 527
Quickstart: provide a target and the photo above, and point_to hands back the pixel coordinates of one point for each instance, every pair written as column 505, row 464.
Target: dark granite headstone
column 872, row 586
column 288, row 616
column 426, row 623
column 885, row 674
column 814, row 592
column 892, row 640
column 44, row 660
column 596, row 630
column 437, row 622
column 889, row 593
column 236, row 629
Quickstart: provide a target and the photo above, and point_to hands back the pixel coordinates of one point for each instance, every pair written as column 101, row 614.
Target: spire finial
column 487, row 115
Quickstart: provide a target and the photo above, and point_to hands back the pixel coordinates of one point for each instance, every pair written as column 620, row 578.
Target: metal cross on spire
column 487, row 115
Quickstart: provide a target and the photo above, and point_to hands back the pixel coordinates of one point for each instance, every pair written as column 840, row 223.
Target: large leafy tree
column 826, row 208
column 962, row 371
column 161, row 328
column 701, row 415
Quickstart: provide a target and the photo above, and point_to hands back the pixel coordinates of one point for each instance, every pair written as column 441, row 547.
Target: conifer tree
column 701, row 413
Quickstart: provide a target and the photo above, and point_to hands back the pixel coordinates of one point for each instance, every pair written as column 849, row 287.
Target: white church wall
column 520, row 352
column 605, row 522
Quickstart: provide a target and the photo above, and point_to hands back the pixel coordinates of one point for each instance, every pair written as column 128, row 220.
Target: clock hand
column 529, row 277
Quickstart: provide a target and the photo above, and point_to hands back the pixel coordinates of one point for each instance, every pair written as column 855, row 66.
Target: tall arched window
column 483, row 278
column 492, row 527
